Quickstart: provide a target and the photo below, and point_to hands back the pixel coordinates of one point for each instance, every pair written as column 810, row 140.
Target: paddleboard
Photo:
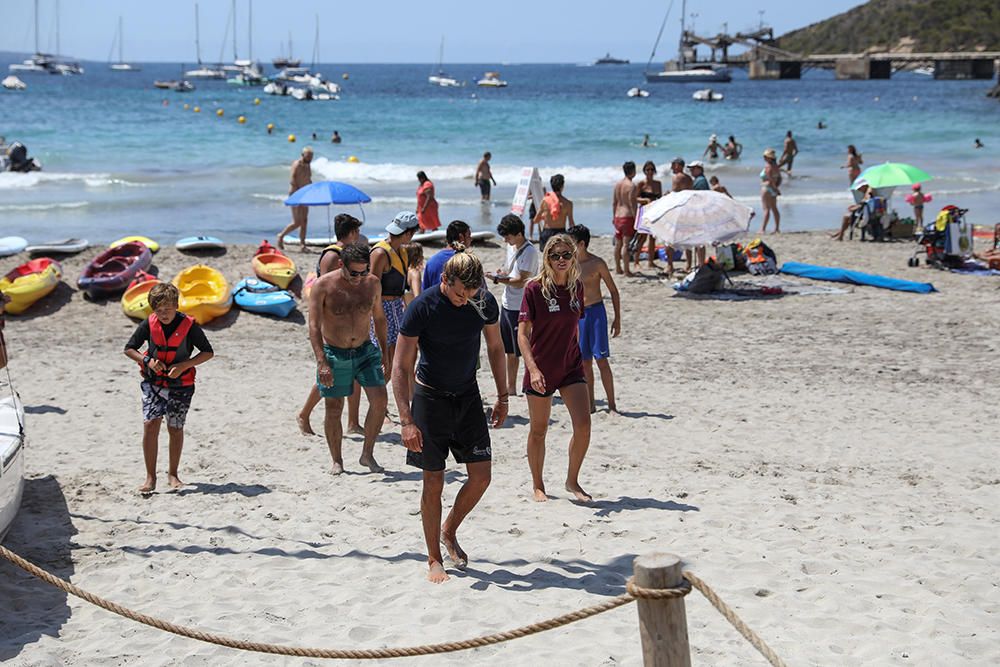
column 11, row 245
column 433, row 237
column 145, row 240
column 62, row 247
column 200, row 243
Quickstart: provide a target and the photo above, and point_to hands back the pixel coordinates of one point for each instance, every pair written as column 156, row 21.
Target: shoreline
column 796, row 452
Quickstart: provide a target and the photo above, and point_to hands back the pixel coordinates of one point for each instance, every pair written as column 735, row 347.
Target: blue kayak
column 258, row 296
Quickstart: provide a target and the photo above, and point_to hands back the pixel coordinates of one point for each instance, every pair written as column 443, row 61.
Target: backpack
column 708, row 278
column 761, row 260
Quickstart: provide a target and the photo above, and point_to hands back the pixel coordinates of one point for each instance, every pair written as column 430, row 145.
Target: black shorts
column 508, row 331
column 546, row 234
column 484, row 187
column 449, row 422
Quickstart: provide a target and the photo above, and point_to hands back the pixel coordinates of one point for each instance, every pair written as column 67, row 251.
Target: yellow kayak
column 145, row 240
column 204, row 293
column 29, row 282
column 135, row 300
column 271, row 265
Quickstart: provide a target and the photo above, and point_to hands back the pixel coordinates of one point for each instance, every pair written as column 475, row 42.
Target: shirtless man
column 342, row 304
column 301, row 176
column 484, row 177
column 446, row 411
column 554, row 211
column 594, row 325
column 681, row 181
column 788, row 153
column 624, row 204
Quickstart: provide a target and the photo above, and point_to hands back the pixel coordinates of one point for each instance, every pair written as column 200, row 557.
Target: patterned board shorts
column 393, row 310
column 172, row 403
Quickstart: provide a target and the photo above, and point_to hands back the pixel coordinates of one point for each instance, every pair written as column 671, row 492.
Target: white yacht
column 441, row 78
column 44, row 63
column 492, row 80
column 202, row 71
column 685, row 69
column 121, row 65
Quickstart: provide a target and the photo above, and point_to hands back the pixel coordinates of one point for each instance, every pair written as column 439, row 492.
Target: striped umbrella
column 695, row 217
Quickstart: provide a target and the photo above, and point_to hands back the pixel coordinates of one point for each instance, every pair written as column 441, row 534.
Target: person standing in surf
column 301, row 177
column 446, row 412
column 427, row 206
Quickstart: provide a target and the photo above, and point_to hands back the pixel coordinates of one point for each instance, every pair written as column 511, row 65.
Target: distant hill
column 903, row 25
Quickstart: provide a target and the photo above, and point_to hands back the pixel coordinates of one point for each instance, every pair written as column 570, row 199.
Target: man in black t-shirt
column 446, row 414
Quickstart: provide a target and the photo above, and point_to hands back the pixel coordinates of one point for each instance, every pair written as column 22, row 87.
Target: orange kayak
column 273, row 266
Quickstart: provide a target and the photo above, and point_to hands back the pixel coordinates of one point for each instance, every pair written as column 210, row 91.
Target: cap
column 770, row 153
column 678, row 160
column 402, row 223
column 696, row 163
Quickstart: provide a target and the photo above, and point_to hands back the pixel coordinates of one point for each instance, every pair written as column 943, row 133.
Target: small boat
column 13, row 83
column 61, row 247
column 14, row 157
column 145, row 240
column 29, row 282
column 440, row 77
column 707, row 95
column 262, row 297
column 11, row 459
column 686, row 69
column 273, row 266
column 492, row 80
column 11, row 245
column 924, row 71
column 276, row 88
column 135, row 300
column 182, row 86
column 637, row 92
column 204, row 293
column 608, row 59
column 114, row 269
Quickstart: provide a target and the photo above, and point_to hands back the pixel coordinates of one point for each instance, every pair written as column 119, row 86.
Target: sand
column 824, row 462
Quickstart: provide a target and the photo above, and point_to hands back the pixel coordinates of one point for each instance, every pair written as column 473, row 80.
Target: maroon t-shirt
column 554, row 334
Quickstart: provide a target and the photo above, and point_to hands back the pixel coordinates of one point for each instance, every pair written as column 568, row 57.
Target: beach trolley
column 947, row 241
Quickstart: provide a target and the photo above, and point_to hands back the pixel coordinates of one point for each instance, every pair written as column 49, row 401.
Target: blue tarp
column 854, row 277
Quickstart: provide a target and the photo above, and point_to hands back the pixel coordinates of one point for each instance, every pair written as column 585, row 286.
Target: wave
column 10, row 181
column 505, row 175
column 43, row 207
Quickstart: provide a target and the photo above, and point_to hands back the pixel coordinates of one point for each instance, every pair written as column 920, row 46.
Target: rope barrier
column 634, row 592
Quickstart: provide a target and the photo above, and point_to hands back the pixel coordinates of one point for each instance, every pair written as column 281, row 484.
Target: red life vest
column 164, row 349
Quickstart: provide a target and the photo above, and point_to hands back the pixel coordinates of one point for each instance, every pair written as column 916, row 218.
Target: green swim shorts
column 363, row 363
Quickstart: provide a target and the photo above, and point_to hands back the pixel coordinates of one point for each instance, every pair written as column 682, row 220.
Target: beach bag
column 725, row 256
column 708, row 278
column 761, row 260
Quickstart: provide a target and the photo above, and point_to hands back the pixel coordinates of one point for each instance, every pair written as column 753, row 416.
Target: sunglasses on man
column 359, row 274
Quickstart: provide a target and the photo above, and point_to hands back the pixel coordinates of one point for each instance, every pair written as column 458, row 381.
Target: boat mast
column 235, row 55
column 57, row 29
column 121, row 38
column 36, row 26
column 680, row 45
column 315, row 45
column 441, row 55
column 663, row 25
column 250, row 30
column 197, row 35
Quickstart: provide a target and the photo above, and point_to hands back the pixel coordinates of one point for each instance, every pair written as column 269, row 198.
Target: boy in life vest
column 167, row 370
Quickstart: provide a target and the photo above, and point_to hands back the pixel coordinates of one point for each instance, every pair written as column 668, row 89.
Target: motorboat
column 205, row 72
column 492, row 80
column 13, row 83
column 121, row 65
column 181, row 86
column 637, row 92
column 608, row 59
column 686, row 69
column 11, row 459
column 276, row 88
column 249, row 75
column 14, row 157
column 308, row 94
column 707, row 95
column 924, row 71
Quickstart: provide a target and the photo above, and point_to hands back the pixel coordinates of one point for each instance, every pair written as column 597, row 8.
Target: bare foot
column 436, row 574
column 148, row 487
column 593, row 408
column 370, row 463
column 618, row 271
column 174, row 481
column 281, row 243
column 338, row 467
column 539, row 496
column 455, row 552
column 580, row 494
column 304, row 427
column 612, row 407
column 355, row 429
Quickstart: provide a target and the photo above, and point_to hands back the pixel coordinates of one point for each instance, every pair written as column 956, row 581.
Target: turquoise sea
column 121, row 157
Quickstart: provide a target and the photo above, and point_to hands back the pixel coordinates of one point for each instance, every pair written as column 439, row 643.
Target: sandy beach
column 822, row 461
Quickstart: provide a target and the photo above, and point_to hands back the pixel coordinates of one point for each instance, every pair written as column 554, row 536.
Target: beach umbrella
column 890, row 175
column 327, row 193
column 695, row 217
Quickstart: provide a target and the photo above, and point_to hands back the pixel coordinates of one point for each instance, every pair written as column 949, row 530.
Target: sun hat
column 713, row 137
column 770, row 153
column 402, row 223
column 696, row 163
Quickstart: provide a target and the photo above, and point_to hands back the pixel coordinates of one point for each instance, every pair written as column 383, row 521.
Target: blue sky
column 393, row 30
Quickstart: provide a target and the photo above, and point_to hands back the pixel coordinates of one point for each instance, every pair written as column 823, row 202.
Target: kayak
column 200, row 243
column 11, row 245
column 422, row 237
column 114, row 269
column 135, row 300
column 12, row 443
column 148, row 242
column 61, row 247
column 259, row 296
column 271, row 265
column 204, row 293
column 29, row 282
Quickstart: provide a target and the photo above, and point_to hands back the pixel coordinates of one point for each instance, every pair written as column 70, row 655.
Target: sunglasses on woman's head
column 564, row 256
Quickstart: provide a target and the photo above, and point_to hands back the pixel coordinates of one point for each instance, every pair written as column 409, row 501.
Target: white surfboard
column 11, row 245
column 61, row 247
column 200, row 243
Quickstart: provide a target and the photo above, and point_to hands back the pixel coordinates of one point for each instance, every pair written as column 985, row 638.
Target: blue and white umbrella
column 327, row 193
column 692, row 218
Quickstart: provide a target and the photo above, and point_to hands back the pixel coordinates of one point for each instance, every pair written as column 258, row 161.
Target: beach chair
column 870, row 219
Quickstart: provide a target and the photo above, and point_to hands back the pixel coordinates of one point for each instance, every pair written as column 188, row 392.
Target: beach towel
column 972, row 267
column 855, row 277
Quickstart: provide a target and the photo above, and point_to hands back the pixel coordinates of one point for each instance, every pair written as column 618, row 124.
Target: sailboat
column 685, row 68
column 441, row 78
column 202, row 71
column 45, row 63
column 121, row 65
column 281, row 62
column 249, row 73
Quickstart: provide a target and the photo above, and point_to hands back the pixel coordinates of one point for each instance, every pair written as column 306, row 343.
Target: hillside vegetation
column 903, row 25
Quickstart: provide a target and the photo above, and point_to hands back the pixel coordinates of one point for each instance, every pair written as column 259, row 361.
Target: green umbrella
column 890, row 175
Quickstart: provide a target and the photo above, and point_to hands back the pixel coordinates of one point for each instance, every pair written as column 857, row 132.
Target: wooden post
column 662, row 623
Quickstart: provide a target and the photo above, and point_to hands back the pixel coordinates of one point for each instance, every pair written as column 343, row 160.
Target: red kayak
column 114, row 269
